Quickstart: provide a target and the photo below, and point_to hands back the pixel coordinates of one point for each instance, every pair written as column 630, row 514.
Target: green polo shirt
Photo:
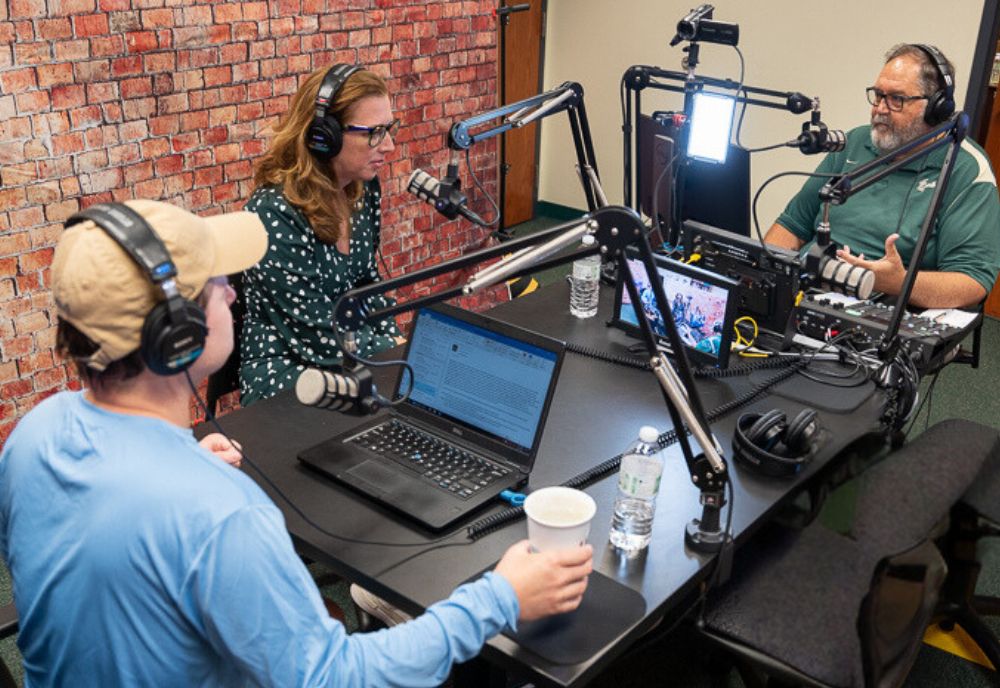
column 290, row 294
column 966, row 236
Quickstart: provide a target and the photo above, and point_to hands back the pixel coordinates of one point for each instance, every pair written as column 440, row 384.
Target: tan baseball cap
column 105, row 294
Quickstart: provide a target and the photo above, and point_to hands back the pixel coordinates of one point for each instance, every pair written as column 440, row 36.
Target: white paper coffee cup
column 558, row 517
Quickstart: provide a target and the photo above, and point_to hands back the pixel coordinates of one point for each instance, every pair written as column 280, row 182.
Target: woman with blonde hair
column 317, row 193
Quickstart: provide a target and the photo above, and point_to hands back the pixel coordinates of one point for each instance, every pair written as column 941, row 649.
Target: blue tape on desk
column 608, row 609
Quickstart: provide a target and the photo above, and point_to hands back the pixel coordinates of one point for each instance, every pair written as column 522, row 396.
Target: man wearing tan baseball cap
column 140, row 558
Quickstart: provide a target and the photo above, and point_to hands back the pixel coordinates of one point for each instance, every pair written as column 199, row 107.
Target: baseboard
column 557, row 211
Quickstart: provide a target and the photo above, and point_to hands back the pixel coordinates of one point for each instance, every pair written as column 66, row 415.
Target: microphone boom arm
column 615, row 228
column 566, row 98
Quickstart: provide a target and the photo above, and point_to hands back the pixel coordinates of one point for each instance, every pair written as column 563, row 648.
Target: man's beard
column 890, row 139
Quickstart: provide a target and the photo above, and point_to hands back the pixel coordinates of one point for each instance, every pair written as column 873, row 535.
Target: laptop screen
column 480, row 377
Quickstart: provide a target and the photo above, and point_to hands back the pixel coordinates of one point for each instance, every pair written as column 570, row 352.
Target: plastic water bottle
column 638, row 484
column 585, row 283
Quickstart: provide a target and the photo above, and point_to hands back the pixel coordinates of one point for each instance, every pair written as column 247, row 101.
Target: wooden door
column 992, row 147
column 521, row 74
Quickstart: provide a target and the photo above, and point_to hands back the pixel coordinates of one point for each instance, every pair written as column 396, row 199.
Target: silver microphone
column 337, row 391
column 842, row 277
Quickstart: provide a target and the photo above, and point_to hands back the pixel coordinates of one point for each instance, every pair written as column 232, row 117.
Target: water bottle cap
column 649, row 434
column 588, row 239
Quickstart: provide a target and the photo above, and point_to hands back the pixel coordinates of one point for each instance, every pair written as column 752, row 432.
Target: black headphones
column 325, row 136
column 173, row 333
column 941, row 103
column 769, row 445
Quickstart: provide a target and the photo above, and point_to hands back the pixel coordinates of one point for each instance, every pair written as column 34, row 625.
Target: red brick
column 68, row 96
column 159, row 62
column 25, row 404
column 15, row 128
column 177, row 184
column 139, row 108
column 101, row 92
column 169, row 165
column 55, row 168
column 87, row 25
column 71, row 50
column 12, row 198
column 41, row 194
column 35, row 260
column 228, row 153
column 29, row 217
column 123, row 66
column 164, row 125
column 92, row 160
column 140, row 41
column 105, row 180
column 163, row 84
column 136, row 88
column 172, row 103
column 26, row 9
column 32, row 53
column 18, row 80
column 194, row 121
column 183, row 142
column 232, row 53
column 225, row 192
column 219, row 34
column 36, row 101
column 229, row 12
column 157, row 19
column 133, row 131
column 58, row 212
column 154, row 148
column 84, row 117
column 47, row 379
column 11, row 351
column 14, row 243
column 208, row 176
column 215, row 135
column 107, row 46
column 32, row 322
column 139, row 172
column 244, row 31
column 247, row 71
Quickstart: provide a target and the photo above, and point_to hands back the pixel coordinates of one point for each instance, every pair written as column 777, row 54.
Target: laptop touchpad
column 381, row 478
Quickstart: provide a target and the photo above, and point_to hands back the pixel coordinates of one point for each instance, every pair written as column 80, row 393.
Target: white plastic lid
column 588, row 239
column 649, row 434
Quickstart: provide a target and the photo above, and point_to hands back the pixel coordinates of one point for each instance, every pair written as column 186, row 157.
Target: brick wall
column 105, row 100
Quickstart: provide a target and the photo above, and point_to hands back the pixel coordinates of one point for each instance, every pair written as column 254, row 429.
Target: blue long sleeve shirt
column 138, row 558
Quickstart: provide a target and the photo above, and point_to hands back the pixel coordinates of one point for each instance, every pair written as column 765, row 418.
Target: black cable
column 928, row 400
column 472, row 173
column 753, row 206
column 287, row 499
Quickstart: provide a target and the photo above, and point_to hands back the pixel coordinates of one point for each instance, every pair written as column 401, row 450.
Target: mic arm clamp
column 614, row 228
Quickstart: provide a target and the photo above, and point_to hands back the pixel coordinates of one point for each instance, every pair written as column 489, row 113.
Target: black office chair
column 8, row 627
column 816, row 608
column 975, row 517
column 227, row 378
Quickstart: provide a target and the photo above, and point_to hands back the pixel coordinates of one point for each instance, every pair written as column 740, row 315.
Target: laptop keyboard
column 446, row 465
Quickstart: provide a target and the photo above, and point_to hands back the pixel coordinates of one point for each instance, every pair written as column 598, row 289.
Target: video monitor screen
column 703, row 305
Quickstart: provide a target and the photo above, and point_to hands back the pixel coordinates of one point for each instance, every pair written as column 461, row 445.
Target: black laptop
column 469, row 429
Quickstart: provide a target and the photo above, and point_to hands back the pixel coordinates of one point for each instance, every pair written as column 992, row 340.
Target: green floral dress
column 290, row 294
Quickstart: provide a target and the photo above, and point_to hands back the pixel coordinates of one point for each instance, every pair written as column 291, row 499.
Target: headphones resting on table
column 941, row 103
column 325, row 136
column 769, row 444
column 173, row 333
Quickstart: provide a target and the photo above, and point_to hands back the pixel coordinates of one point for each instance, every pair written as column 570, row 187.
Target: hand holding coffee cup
column 558, row 518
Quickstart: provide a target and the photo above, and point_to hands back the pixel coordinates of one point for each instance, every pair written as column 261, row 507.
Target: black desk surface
column 597, row 410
